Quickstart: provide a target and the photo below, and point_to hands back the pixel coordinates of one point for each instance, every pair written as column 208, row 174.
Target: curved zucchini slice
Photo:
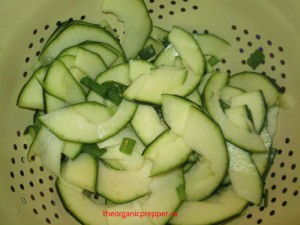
column 220, row 206
column 167, row 152
column 250, row 81
column 205, row 137
column 136, row 31
column 202, row 135
column 60, row 83
column 245, row 178
column 71, row 125
column 73, row 34
column 147, row 123
column 79, row 205
column 81, row 172
column 31, row 95
column 121, row 186
column 244, row 139
column 211, row 44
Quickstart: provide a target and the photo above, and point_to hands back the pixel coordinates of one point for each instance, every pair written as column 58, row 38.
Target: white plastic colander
column 27, row 191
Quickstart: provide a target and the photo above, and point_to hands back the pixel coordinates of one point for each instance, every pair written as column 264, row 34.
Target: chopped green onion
column 110, row 90
column 114, row 86
column 114, row 97
column 213, row 60
column 94, row 86
column 256, row 59
column 181, row 192
column 147, row 52
column 165, row 41
column 266, row 198
column 93, row 150
column 127, row 145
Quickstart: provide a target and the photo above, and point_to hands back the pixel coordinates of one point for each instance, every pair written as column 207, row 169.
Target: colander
column 27, row 190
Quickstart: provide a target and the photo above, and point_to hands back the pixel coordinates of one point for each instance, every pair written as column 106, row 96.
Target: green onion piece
column 181, row 192
column 114, row 86
column 256, row 59
column 266, row 198
column 94, row 86
column 110, row 90
column 165, row 41
column 127, row 145
column 114, row 97
column 213, row 60
column 147, row 52
column 93, row 150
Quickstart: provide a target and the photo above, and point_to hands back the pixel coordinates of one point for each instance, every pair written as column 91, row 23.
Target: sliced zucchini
column 108, row 55
column 164, row 187
column 255, row 102
column 150, row 87
column 239, row 116
column 89, row 62
column 224, row 204
column 159, row 34
column 205, row 137
column 75, row 33
column 118, row 160
column 79, row 205
column 71, row 149
column 61, row 84
column 167, row 57
column 117, row 139
column 71, row 125
column 121, row 186
column 136, row 32
column 138, row 67
column 261, row 160
column 31, row 95
column 228, row 92
column 81, row 172
column 167, row 152
column 195, row 97
column 211, row 44
column 53, row 103
column 272, row 120
column 188, row 49
column 147, row 123
column 244, row 139
column 118, row 73
column 175, row 111
column 245, row 178
column 251, row 81
column 48, row 148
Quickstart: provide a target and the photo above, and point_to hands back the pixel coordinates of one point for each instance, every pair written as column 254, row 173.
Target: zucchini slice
column 136, row 31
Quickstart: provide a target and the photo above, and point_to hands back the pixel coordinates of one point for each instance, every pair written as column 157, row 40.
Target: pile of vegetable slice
column 147, row 125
